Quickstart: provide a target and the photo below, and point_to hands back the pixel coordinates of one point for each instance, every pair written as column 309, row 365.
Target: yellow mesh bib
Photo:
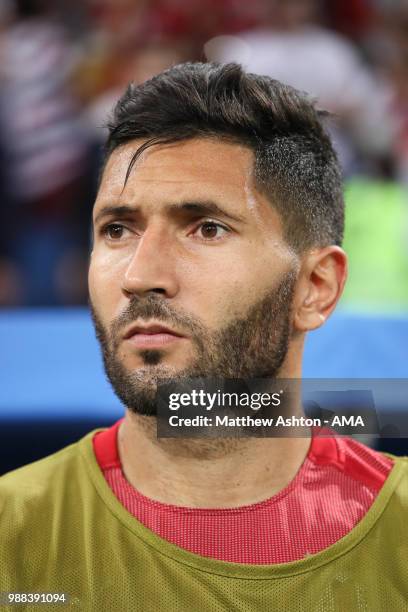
column 62, row 530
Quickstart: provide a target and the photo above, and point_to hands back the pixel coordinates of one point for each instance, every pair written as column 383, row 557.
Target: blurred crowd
column 63, row 63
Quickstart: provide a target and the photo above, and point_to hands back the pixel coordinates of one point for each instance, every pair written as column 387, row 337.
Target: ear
column 321, row 281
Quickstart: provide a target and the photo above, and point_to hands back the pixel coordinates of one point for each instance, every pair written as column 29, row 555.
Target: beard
column 253, row 345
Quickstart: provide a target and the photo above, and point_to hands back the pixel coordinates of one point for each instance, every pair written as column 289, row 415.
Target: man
column 217, row 232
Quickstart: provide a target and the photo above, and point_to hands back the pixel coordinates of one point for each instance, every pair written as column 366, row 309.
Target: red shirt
column 330, row 494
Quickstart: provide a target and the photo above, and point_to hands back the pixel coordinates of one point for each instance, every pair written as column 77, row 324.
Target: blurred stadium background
column 63, row 63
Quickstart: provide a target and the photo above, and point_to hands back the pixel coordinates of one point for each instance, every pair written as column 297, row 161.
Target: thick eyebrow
column 205, row 208
column 202, row 208
column 114, row 211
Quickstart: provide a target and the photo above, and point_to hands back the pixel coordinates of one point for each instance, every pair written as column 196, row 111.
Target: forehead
column 192, row 161
column 187, row 165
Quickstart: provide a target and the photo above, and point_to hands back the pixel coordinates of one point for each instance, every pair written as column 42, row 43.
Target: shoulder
column 375, row 480
column 357, row 464
column 36, row 485
column 37, row 473
column 41, row 506
column 383, row 472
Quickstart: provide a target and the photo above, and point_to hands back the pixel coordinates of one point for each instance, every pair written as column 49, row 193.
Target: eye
column 113, row 231
column 210, row 230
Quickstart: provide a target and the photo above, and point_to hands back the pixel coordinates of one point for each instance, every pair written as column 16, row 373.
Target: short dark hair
column 295, row 163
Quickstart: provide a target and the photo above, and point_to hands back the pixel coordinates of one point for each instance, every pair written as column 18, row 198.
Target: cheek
column 236, row 282
column 223, row 288
column 104, row 280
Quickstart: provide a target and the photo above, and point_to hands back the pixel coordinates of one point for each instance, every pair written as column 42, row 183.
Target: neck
column 206, row 473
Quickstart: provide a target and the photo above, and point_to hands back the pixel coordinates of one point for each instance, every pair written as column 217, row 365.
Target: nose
column 152, row 268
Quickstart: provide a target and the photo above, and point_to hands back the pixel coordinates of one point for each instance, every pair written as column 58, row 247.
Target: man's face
column 190, row 274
